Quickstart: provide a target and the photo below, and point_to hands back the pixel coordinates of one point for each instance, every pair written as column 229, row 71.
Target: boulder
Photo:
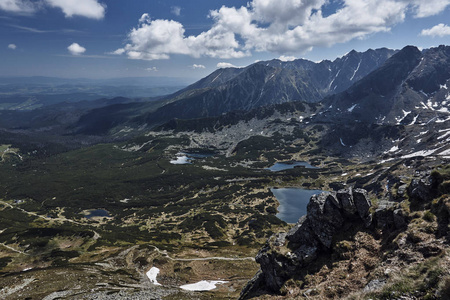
column 325, row 215
column 421, row 189
column 345, row 198
column 363, row 204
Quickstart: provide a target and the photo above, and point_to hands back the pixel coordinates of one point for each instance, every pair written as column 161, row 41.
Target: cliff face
column 343, row 246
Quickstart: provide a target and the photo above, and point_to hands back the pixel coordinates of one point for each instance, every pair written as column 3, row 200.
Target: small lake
column 184, row 158
column 280, row 166
column 293, row 202
column 97, row 213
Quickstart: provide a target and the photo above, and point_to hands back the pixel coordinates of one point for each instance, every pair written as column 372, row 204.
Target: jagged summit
column 411, row 87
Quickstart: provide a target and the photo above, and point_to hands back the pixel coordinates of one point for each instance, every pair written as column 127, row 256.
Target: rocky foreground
column 347, row 246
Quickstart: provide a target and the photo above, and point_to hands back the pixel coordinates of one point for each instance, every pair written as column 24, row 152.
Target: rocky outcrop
column 286, row 254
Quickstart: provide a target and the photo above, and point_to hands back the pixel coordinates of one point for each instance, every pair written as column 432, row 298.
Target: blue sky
column 125, row 38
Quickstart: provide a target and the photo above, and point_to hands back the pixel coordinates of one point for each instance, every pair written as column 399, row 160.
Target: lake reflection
column 293, row 202
column 280, row 166
column 97, row 213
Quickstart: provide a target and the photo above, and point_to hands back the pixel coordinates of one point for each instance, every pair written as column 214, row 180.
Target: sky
column 191, row 39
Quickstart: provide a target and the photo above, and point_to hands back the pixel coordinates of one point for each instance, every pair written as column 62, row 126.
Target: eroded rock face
column 284, row 255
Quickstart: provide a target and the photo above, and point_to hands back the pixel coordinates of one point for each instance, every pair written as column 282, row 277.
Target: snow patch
column 424, row 105
column 204, row 285
column 420, row 153
column 209, row 168
column 443, row 121
column 216, row 77
column 357, row 68
column 444, row 135
column 415, row 120
column 400, row 119
column 445, row 152
column 352, row 108
column 151, row 274
column 331, row 83
column 393, row 149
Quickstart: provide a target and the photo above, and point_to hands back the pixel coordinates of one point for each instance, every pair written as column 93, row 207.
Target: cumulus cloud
column 438, row 30
column 84, row 8
column 157, row 39
column 279, row 26
column 195, row 66
column 76, row 49
column 224, row 65
column 287, row 58
column 176, row 10
column 12, row 46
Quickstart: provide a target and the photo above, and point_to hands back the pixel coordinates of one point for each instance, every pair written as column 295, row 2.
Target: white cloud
column 176, row 10
column 12, row 46
column 152, row 69
column 84, row 8
column 280, row 26
column 223, row 65
column 438, row 30
column 117, row 52
column 145, row 18
column 287, row 58
column 24, row 7
column 76, row 49
column 428, row 8
column 195, row 66
column 157, row 39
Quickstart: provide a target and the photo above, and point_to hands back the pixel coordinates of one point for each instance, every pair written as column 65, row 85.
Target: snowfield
column 204, row 285
column 151, row 274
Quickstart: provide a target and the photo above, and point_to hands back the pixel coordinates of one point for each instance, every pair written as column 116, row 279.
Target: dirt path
column 164, row 253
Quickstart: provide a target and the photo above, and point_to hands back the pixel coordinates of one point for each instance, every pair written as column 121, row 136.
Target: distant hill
column 29, row 93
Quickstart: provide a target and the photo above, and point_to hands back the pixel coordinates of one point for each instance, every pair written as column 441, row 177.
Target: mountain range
column 358, row 96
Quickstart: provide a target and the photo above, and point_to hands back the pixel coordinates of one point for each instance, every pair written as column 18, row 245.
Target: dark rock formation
column 389, row 219
column 284, row 255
